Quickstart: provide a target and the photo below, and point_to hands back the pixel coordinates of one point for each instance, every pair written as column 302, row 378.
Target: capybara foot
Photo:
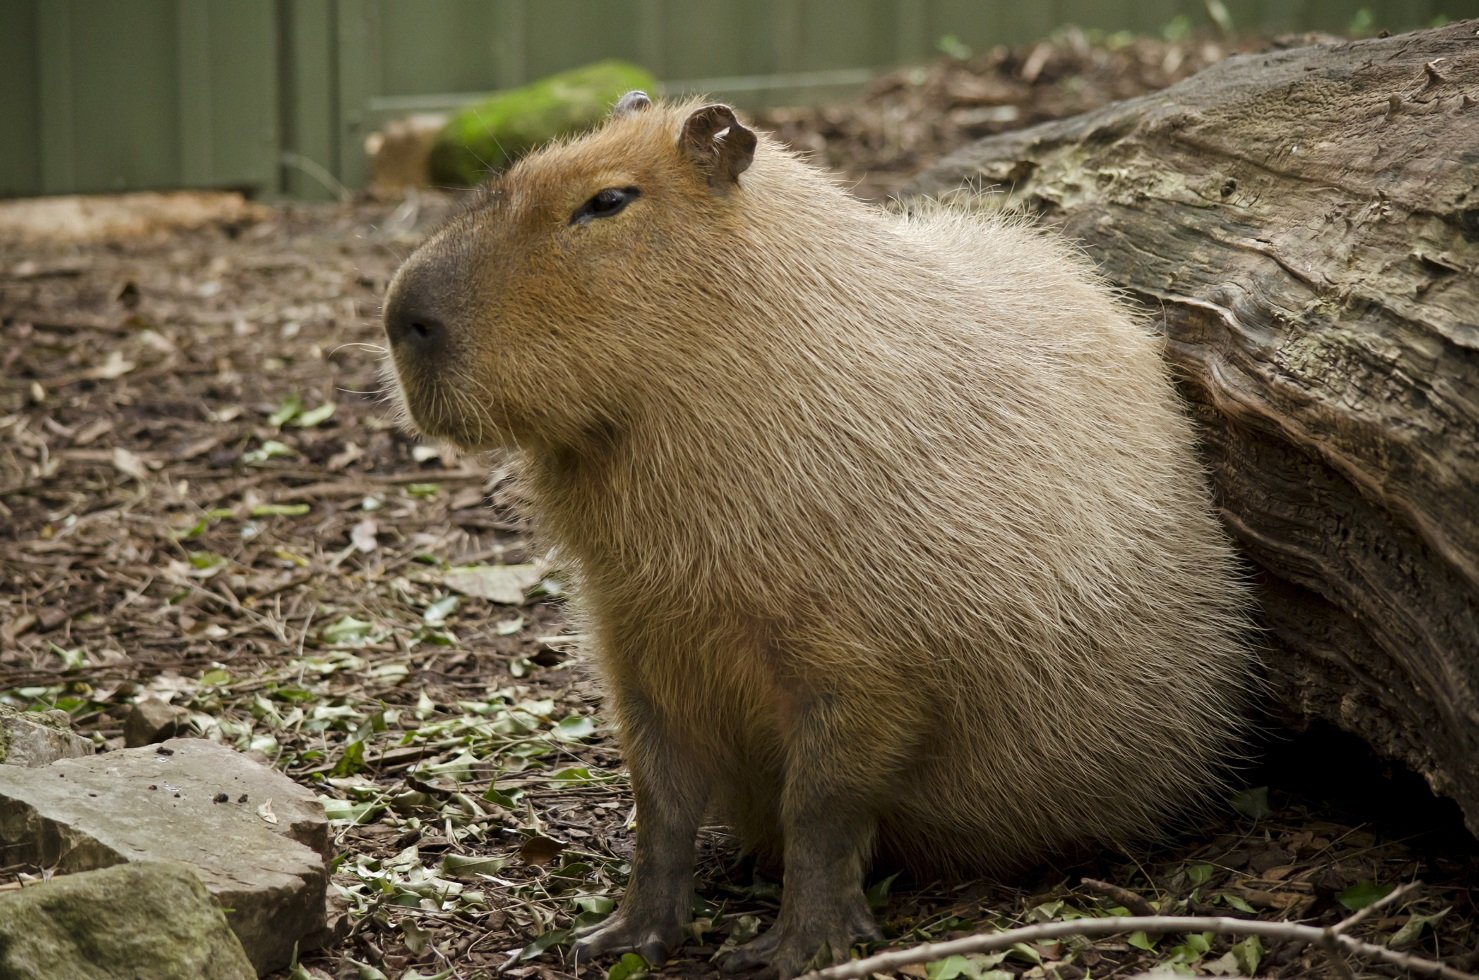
column 790, row 949
column 621, row 934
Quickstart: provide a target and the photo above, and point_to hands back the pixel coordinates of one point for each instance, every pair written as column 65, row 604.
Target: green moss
column 491, row 134
column 144, row 919
column 10, row 716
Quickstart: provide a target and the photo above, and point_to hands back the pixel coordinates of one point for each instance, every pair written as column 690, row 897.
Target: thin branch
column 1328, row 941
column 1130, row 900
column 1115, row 925
column 1344, row 925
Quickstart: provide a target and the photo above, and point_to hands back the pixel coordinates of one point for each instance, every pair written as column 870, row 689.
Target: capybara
column 889, row 531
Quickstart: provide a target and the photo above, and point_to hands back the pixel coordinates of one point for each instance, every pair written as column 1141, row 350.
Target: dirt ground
column 204, row 498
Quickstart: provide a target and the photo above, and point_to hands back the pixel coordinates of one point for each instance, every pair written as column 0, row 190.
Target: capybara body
column 889, row 530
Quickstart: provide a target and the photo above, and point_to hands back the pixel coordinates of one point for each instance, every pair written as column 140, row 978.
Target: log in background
column 1306, row 224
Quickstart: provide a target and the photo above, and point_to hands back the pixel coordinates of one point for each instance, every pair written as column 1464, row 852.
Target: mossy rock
column 146, row 919
column 491, row 134
column 37, row 738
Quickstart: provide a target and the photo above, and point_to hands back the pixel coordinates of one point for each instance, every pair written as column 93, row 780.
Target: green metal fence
column 277, row 96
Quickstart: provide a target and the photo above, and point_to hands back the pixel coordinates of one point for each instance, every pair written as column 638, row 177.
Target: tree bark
column 1306, row 224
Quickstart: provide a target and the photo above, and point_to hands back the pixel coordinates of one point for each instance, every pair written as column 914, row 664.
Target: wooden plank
column 974, row 25
column 56, row 97
column 511, row 28
column 1099, row 15
column 359, row 72
column 1407, row 15
column 244, row 91
column 437, row 46
column 836, row 36
column 1280, row 15
column 307, row 100
column 1032, row 21
column 159, row 94
column 760, row 91
column 911, row 31
column 651, row 40
column 786, row 40
column 1153, row 16
column 566, row 34
column 193, row 79
column 20, row 152
column 1333, row 15
column 125, row 65
column 710, row 38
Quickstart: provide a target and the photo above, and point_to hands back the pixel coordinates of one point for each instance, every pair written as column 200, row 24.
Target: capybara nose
column 420, row 333
column 413, row 329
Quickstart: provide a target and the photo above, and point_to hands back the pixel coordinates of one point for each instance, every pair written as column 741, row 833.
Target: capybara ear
column 717, row 144
column 633, row 102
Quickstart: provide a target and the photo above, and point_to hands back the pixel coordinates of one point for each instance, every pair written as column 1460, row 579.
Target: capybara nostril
column 414, row 330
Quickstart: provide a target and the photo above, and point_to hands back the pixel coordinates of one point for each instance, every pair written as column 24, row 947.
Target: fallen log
column 1305, row 225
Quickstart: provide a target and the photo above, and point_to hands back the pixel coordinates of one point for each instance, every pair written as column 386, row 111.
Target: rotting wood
column 1305, row 223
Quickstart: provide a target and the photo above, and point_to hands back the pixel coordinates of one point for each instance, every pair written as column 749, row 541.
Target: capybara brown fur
column 889, row 531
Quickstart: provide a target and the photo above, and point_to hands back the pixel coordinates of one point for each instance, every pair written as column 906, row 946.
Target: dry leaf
column 363, row 536
column 115, row 365
column 129, row 464
column 540, row 850
column 93, row 429
column 496, row 583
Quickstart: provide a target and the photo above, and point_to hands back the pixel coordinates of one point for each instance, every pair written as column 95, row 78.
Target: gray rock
column 36, row 738
column 152, row 720
column 149, row 919
column 257, row 840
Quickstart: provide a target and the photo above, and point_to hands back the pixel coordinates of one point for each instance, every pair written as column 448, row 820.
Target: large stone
column 491, row 134
column 153, row 720
column 257, row 840
column 400, row 153
column 149, row 919
column 37, row 738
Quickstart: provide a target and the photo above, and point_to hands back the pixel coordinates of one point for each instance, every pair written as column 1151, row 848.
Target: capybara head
column 535, row 316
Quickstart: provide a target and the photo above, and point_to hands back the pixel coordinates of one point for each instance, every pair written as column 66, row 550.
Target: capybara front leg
column 670, row 796
column 836, row 776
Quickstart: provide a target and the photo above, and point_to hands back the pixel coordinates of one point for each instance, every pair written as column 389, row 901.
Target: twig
column 1112, row 926
column 318, row 172
column 1392, row 896
column 1328, row 941
column 1130, row 900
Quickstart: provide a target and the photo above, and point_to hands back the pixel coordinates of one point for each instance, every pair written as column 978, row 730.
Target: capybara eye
column 606, row 203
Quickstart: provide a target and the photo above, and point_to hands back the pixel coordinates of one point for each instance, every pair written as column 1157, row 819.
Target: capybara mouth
column 431, row 367
column 434, row 409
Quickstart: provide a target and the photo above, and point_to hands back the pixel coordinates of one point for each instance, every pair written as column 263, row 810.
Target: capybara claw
column 783, row 953
column 617, row 935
